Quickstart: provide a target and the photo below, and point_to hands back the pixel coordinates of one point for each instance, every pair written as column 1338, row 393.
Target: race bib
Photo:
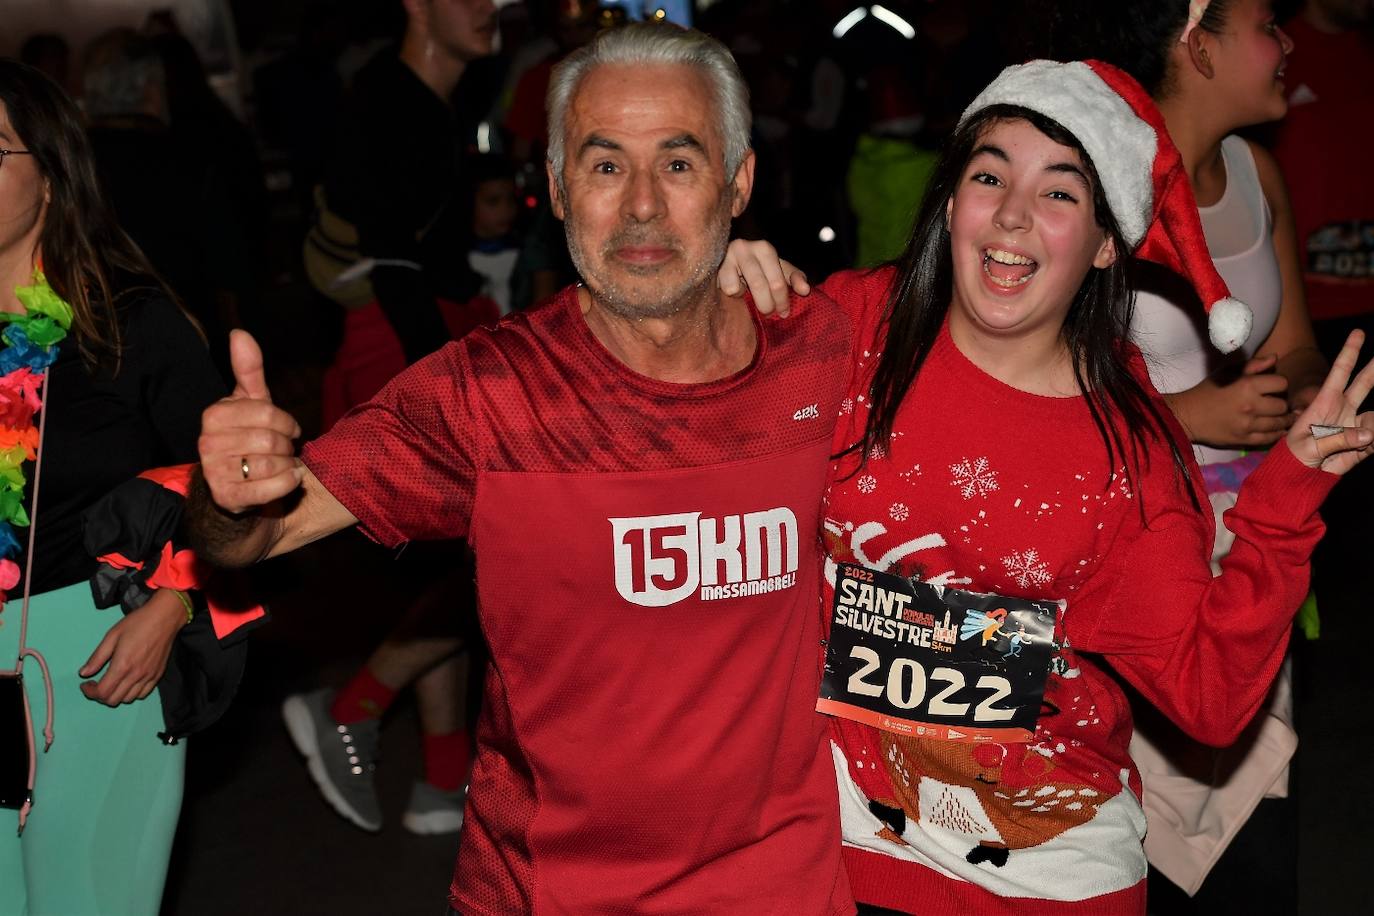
column 932, row 662
column 1342, row 251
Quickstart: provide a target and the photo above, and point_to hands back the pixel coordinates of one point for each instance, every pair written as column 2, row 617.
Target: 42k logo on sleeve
column 662, row 559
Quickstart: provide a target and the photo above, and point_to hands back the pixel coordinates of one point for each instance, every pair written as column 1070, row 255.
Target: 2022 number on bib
column 926, row 661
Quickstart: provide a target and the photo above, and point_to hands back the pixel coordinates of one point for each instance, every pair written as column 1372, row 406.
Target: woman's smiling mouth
column 1006, row 268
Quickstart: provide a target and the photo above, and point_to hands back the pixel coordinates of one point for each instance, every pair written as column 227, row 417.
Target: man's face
column 644, row 196
column 466, row 29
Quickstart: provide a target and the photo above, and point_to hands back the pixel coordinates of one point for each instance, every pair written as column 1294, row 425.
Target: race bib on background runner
column 932, row 662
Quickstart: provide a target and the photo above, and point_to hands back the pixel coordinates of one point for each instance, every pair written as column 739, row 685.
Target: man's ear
column 1106, row 253
column 743, row 184
column 555, row 192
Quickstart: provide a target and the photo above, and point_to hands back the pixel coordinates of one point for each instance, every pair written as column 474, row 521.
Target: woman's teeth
column 1006, row 268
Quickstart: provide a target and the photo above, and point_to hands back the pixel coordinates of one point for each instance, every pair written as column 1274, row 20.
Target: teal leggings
column 107, row 795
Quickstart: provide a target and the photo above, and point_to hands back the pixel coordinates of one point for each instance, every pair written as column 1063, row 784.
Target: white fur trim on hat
column 1121, row 146
column 1228, row 324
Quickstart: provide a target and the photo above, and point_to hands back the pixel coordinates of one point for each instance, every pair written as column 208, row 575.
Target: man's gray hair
column 648, row 44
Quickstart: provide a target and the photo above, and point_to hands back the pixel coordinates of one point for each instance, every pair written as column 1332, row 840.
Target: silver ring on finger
column 243, row 466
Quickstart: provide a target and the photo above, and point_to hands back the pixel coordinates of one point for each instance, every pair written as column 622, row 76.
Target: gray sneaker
column 433, row 810
column 341, row 758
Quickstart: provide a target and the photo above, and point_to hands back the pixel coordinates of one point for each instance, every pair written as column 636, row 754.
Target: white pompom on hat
column 1141, row 171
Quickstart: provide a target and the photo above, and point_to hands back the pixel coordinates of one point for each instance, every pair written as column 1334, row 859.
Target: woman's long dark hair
column 1095, row 328
column 84, row 248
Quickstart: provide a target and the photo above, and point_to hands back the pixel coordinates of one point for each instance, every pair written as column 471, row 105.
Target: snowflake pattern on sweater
column 1026, row 568
column 973, row 478
column 1031, row 507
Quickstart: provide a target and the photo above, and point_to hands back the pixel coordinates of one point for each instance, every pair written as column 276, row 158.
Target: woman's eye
column 1063, row 195
column 984, row 178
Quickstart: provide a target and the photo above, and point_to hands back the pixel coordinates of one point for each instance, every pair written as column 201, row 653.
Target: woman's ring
column 243, row 466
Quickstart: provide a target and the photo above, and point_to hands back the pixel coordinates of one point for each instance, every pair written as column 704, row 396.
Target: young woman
column 1211, row 76
column 1001, row 437
column 1214, row 68
column 124, row 394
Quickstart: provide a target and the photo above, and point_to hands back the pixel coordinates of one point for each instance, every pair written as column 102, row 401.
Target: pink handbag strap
column 28, row 724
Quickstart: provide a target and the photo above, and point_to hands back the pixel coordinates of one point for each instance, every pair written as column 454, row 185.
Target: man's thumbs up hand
column 247, row 448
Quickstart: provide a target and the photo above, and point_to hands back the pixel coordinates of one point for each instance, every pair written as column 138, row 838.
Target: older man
column 637, row 465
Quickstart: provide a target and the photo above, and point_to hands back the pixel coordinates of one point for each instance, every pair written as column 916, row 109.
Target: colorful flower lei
column 31, row 341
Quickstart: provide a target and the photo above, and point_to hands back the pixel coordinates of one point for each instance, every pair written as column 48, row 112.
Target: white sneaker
column 433, row 811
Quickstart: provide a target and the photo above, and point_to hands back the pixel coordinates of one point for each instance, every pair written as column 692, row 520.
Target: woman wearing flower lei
column 96, row 352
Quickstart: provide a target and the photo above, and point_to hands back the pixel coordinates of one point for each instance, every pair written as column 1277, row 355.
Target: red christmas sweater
column 989, row 489
column 647, row 573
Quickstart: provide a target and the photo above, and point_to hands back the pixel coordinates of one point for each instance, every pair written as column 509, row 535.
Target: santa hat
column 1141, row 171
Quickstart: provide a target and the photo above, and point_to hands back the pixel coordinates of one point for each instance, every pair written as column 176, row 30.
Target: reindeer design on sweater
column 1002, row 797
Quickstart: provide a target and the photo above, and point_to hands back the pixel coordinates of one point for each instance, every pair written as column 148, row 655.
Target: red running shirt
column 647, row 571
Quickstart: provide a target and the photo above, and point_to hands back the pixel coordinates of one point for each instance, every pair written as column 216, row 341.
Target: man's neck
column 436, row 68
column 709, row 340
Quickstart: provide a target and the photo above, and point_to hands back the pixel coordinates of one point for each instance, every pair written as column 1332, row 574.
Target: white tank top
column 1169, row 324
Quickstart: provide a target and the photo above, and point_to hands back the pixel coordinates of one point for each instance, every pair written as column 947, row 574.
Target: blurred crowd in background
column 220, row 185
